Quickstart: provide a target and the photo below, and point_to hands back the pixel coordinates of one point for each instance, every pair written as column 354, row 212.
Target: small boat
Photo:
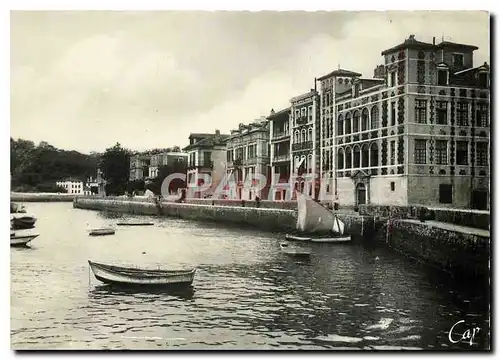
column 315, row 218
column 20, row 222
column 294, row 250
column 17, row 208
column 117, row 275
column 102, row 232
column 21, row 240
column 135, row 224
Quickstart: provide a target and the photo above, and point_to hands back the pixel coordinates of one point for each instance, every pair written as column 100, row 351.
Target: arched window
column 375, row 118
column 348, row 158
column 340, row 125
column 297, row 136
column 304, row 135
column 356, row 157
column 373, row 155
column 355, row 122
column 347, row 123
column 310, row 134
column 309, row 163
column 365, row 119
column 340, row 159
column 364, row 155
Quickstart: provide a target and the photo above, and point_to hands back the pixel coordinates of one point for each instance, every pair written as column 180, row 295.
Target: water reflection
column 246, row 293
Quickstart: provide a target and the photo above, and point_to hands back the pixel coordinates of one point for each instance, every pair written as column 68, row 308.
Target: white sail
column 314, row 217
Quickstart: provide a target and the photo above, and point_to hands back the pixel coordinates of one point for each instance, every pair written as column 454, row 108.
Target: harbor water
column 246, row 293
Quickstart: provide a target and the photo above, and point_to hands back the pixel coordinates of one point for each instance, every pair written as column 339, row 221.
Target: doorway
column 480, row 199
column 360, row 194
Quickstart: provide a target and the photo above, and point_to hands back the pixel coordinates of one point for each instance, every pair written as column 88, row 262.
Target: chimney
column 217, row 132
column 433, row 40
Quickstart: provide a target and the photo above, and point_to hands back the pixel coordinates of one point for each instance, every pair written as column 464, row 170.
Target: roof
column 456, row 45
column 198, row 135
column 209, row 141
column 278, row 113
column 340, row 72
column 409, row 43
column 310, row 93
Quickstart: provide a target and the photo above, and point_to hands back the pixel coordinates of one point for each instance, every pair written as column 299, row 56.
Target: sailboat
column 314, row 218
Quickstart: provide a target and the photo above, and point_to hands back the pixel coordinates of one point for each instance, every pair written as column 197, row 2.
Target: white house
column 72, row 186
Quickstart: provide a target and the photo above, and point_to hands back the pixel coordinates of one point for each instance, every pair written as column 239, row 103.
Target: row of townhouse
column 418, row 132
column 146, row 165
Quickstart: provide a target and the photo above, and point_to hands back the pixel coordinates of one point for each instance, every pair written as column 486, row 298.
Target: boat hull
column 324, row 239
column 22, row 240
column 130, row 276
column 135, row 224
column 295, row 252
column 21, row 223
column 297, row 238
column 101, row 232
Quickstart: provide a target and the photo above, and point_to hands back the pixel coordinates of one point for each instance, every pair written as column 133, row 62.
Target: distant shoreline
column 41, row 197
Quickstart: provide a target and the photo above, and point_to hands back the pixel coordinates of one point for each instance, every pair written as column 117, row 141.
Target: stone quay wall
column 466, row 255
column 280, row 220
column 41, row 197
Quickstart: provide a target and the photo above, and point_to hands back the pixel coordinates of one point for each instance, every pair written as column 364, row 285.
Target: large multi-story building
column 207, row 156
column 279, row 154
column 305, row 135
column 247, row 156
column 417, row 133
column 139, row 166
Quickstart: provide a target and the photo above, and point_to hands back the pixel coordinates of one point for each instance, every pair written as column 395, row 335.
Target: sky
column 84, row 80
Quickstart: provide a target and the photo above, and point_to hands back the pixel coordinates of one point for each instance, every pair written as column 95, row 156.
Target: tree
column 37, row 168
column 115, row 167
column 175, row 166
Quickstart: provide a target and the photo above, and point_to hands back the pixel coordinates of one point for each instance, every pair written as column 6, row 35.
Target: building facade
column 72, row 186
column 247, row 156
column 139, row 166
column 305, row 135
column 207, row 156
column 417, row 133
column 279, row 155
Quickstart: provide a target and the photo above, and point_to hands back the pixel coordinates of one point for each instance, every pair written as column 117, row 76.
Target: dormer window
column 442, row 77
column 458, row 60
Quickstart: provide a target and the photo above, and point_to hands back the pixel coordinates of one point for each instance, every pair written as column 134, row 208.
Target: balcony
column 256, row 160
column 201, row 165
column 302, row 146
column 281, row 158
column 280, row 135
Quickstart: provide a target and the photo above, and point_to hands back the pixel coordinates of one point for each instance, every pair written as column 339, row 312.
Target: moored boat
column 20, row 222
column 314, row 218
column 294, row 250
column 135, row 224
column 22, row 240
column 102, row 232
column 127, row 276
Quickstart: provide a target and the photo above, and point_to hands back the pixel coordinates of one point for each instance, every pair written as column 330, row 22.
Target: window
column 442, row 77
column 392, row 78
column 393, row 186
column 462, row 113
column 393, row 152
column 421, row 111
column 420, row 151
column 355, row 122
column 348, row 123
column 483, row 79
column 445, row 194
column 442, row 113
column 393, row 113
column 364, row 119
column 340, row 125
column 458, row 60
column 442, row 152
column 482, row 115
column 375, row 118
column 462, row 152
column 482, row 153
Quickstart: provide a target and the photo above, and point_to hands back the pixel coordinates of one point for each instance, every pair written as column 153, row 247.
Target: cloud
column 145, row 84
